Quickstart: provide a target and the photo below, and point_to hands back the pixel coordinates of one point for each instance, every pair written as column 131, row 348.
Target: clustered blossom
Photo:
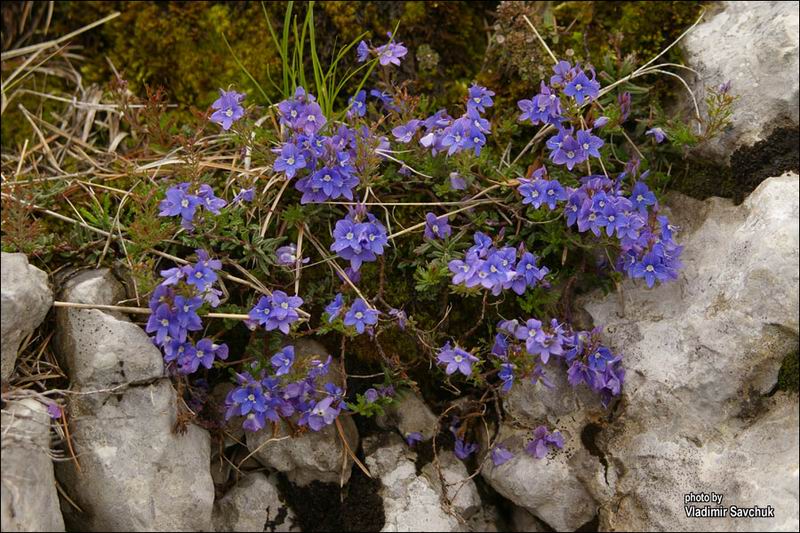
column 175, row 304
column 325, row 166
column 645, row 239
column 285, row 390
column 524, row 348
column 441, row 132
column 542, row 440
column 359, row 237
column 180, row 200
column 227, row 108
column 278, row 311
column 497, row 269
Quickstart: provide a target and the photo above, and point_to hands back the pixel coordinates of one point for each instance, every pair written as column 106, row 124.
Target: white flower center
column 585, row 146
column 639, row 198
column 529, row 267
column 285, row 305
column 359, row 315
column 199, row 354
column 312, row 118
column 570, row 154
column 229, row 113
column 326, row 177
column 611, row 218
column 184, row 203
column 458, row 359
column 551, row 192
column 650, row 268
column 579, row 87
column 251, row 397
column 293, row 113
column 164, row 322
column 435, row 229
column 290, row 161
column 349, row 235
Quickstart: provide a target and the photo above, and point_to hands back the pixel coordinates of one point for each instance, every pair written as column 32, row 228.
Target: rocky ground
column 700, row 411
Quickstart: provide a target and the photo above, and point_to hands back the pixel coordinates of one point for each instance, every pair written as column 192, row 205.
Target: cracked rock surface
column 137, row 471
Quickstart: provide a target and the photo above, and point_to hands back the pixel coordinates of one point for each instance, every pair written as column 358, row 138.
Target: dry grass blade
column 349, row 451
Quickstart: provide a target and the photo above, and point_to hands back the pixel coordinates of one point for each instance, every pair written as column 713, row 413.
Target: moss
column 789, row 375
column 179, row 44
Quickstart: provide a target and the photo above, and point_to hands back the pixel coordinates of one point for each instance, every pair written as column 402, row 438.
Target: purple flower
column 582, row 88
column 363, row 51
column 413, row 438
column 391, row 53
column 254, row 421
column 335, row 307
column 479, row 98
column 569, row 153
column 244, row 195
column 163, row 323
column 371, row 395
column 202, row 275
column 599, row 122
column 542, row 439
column 279, row 312
column 400, row 316
column 290, row 161
column 204, row 353
column 464, row 450
column 179, row 202
column 657, row 133
column 405, row 132
column 186, row 312
column 506, row 375
column 501, row 455
column 642, row 197
column 589, row 143
column 228, row 109
column 624, row 101
column 360, row 316
column 457, row 183
column 283, row 360
column 436, row 227
column 311, row 119
column 651, row 268
column 359, row 241
column 208, row 200
column 358, row 104
column 173, row 275
column 54, row 410
column 456, row 359
column 322, row 414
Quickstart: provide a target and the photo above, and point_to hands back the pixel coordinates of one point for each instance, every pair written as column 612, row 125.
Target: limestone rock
column 253, row 504
column 309, row 456
column 25, row 298
column 409, row 414
column 459, row 489
column 29, row 497
column 137, row 473
column 755, row 46
column 410, row 502
column 702, row 354
column 102, row 348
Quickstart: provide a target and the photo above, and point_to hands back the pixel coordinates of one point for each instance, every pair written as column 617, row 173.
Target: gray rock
column 410, row 502
column 308, row 456
column 29, row 500
column 459, row 490
column 409, row 414
column 522, row 520
column 755, row 46
column 559, row 495
column 25, row 298
column 102, row 348
column 701, row 355
column 136, row 472
column 253, row 504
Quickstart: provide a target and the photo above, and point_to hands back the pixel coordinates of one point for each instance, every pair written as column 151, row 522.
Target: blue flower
column 436, row 227
column 290, row 161
column 228, row 109
column 479, row 98
column 456, row 359
column 582, row 88
column 657, row 134
column 501, row 455
column 358, row 104
column 283, row 360
column 542, row 439
column 335, row 307
column 360, row 316
column 464, row 450
column 363, row 51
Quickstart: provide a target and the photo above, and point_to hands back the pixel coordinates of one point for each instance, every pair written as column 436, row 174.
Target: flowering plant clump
column 175, row 306
column 408, row 229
